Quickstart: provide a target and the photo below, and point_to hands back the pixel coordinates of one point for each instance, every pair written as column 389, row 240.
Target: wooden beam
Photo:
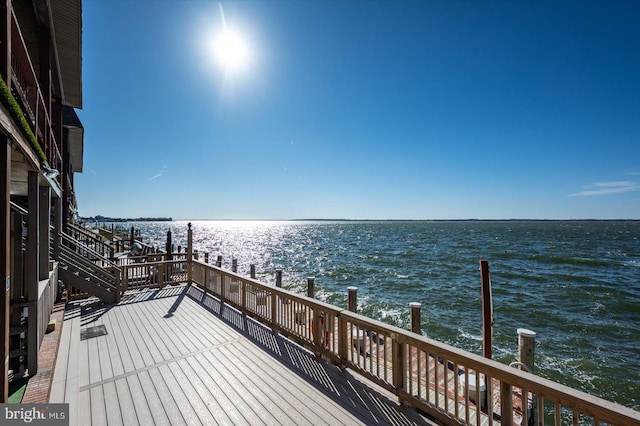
column 44, row 216
column 5, row 263
column 33, row 233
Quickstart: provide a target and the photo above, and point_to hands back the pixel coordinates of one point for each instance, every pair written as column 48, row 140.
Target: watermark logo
column 20, row 414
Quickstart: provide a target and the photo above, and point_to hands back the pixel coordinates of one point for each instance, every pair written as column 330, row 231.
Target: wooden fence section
column 437, row 378
column 153, row 274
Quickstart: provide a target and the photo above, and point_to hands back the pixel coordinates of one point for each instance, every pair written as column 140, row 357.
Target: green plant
column 18, row 116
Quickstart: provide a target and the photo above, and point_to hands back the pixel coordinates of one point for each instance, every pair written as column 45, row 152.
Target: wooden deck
column 170, row 356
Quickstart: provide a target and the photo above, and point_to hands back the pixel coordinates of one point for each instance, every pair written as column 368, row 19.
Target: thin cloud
column 607, row 188
column 159, row 174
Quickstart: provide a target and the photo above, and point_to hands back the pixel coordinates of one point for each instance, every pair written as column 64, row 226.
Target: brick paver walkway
column 39, row 386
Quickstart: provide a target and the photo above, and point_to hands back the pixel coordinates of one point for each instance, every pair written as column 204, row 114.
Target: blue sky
column 362, row 110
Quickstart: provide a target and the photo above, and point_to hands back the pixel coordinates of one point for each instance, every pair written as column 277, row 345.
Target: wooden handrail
column 70, row 240
column 423, row 372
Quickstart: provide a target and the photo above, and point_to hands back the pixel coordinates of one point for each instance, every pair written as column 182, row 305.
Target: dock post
column 219, row 261
column 353, row 299
column 206, row 257
column 310, row 285
column 526, row 347
column 526, row 350
column 415, row 317
column 189, row 254
column 169, row 246
column 487, row 309
column 252, row 271
column 234, row 265
column 132, row 236
column 279, row 278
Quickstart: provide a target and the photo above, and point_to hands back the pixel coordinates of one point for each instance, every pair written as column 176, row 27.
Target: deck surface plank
column 170, row 359
column 111, row 404
column 145, row 403
column 72, row 382
column 153, row 379
column 59, row 379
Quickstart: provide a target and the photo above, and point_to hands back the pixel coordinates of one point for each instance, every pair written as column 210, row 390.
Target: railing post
column 310, row 286
column 279, row 278
column 506, row 403
column 352, row 299
column 398, row 368
column 118, row 285
column 342, row 341
column 415, row 317
column 274, row 303
column 189, row 254
column 125, row 278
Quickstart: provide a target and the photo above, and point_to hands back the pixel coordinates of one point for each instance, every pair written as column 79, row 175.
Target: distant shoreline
column 168, row 219
column 102, row 219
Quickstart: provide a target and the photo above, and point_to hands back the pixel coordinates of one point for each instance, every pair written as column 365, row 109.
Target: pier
column 168, row 356
column 205, row 342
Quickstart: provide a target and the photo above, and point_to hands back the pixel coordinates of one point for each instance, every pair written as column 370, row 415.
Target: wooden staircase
column 88, row 271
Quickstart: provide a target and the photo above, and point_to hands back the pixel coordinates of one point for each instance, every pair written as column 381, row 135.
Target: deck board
column 169, row 358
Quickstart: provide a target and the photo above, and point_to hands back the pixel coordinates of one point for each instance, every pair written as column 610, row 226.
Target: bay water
column 575, row 283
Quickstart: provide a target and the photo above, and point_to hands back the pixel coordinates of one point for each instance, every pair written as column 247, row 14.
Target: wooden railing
column 153, row 274
column 432, row 376
column 35, row 105
column 91, row 240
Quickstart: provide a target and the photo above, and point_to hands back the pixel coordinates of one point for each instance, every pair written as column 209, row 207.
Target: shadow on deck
column 184, row 357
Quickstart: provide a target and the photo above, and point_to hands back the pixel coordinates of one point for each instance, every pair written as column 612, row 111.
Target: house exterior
column 42, row 148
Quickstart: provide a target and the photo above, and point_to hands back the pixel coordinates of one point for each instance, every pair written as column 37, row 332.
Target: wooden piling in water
column 353, row 299
column 252, row 271
column 279, row 278
column 169, row 246
column 415, row 317
column 526, row 348
column 219, row 261
column 310, row 286
column 487, row 310
column 234, row 265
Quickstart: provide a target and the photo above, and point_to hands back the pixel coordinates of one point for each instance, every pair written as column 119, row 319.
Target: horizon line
column 167, row 219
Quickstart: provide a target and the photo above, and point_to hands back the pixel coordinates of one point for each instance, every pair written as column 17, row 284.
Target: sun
column 231, row 51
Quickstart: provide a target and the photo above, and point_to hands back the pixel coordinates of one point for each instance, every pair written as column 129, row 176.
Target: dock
column 189, row 342
column 168, row 356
